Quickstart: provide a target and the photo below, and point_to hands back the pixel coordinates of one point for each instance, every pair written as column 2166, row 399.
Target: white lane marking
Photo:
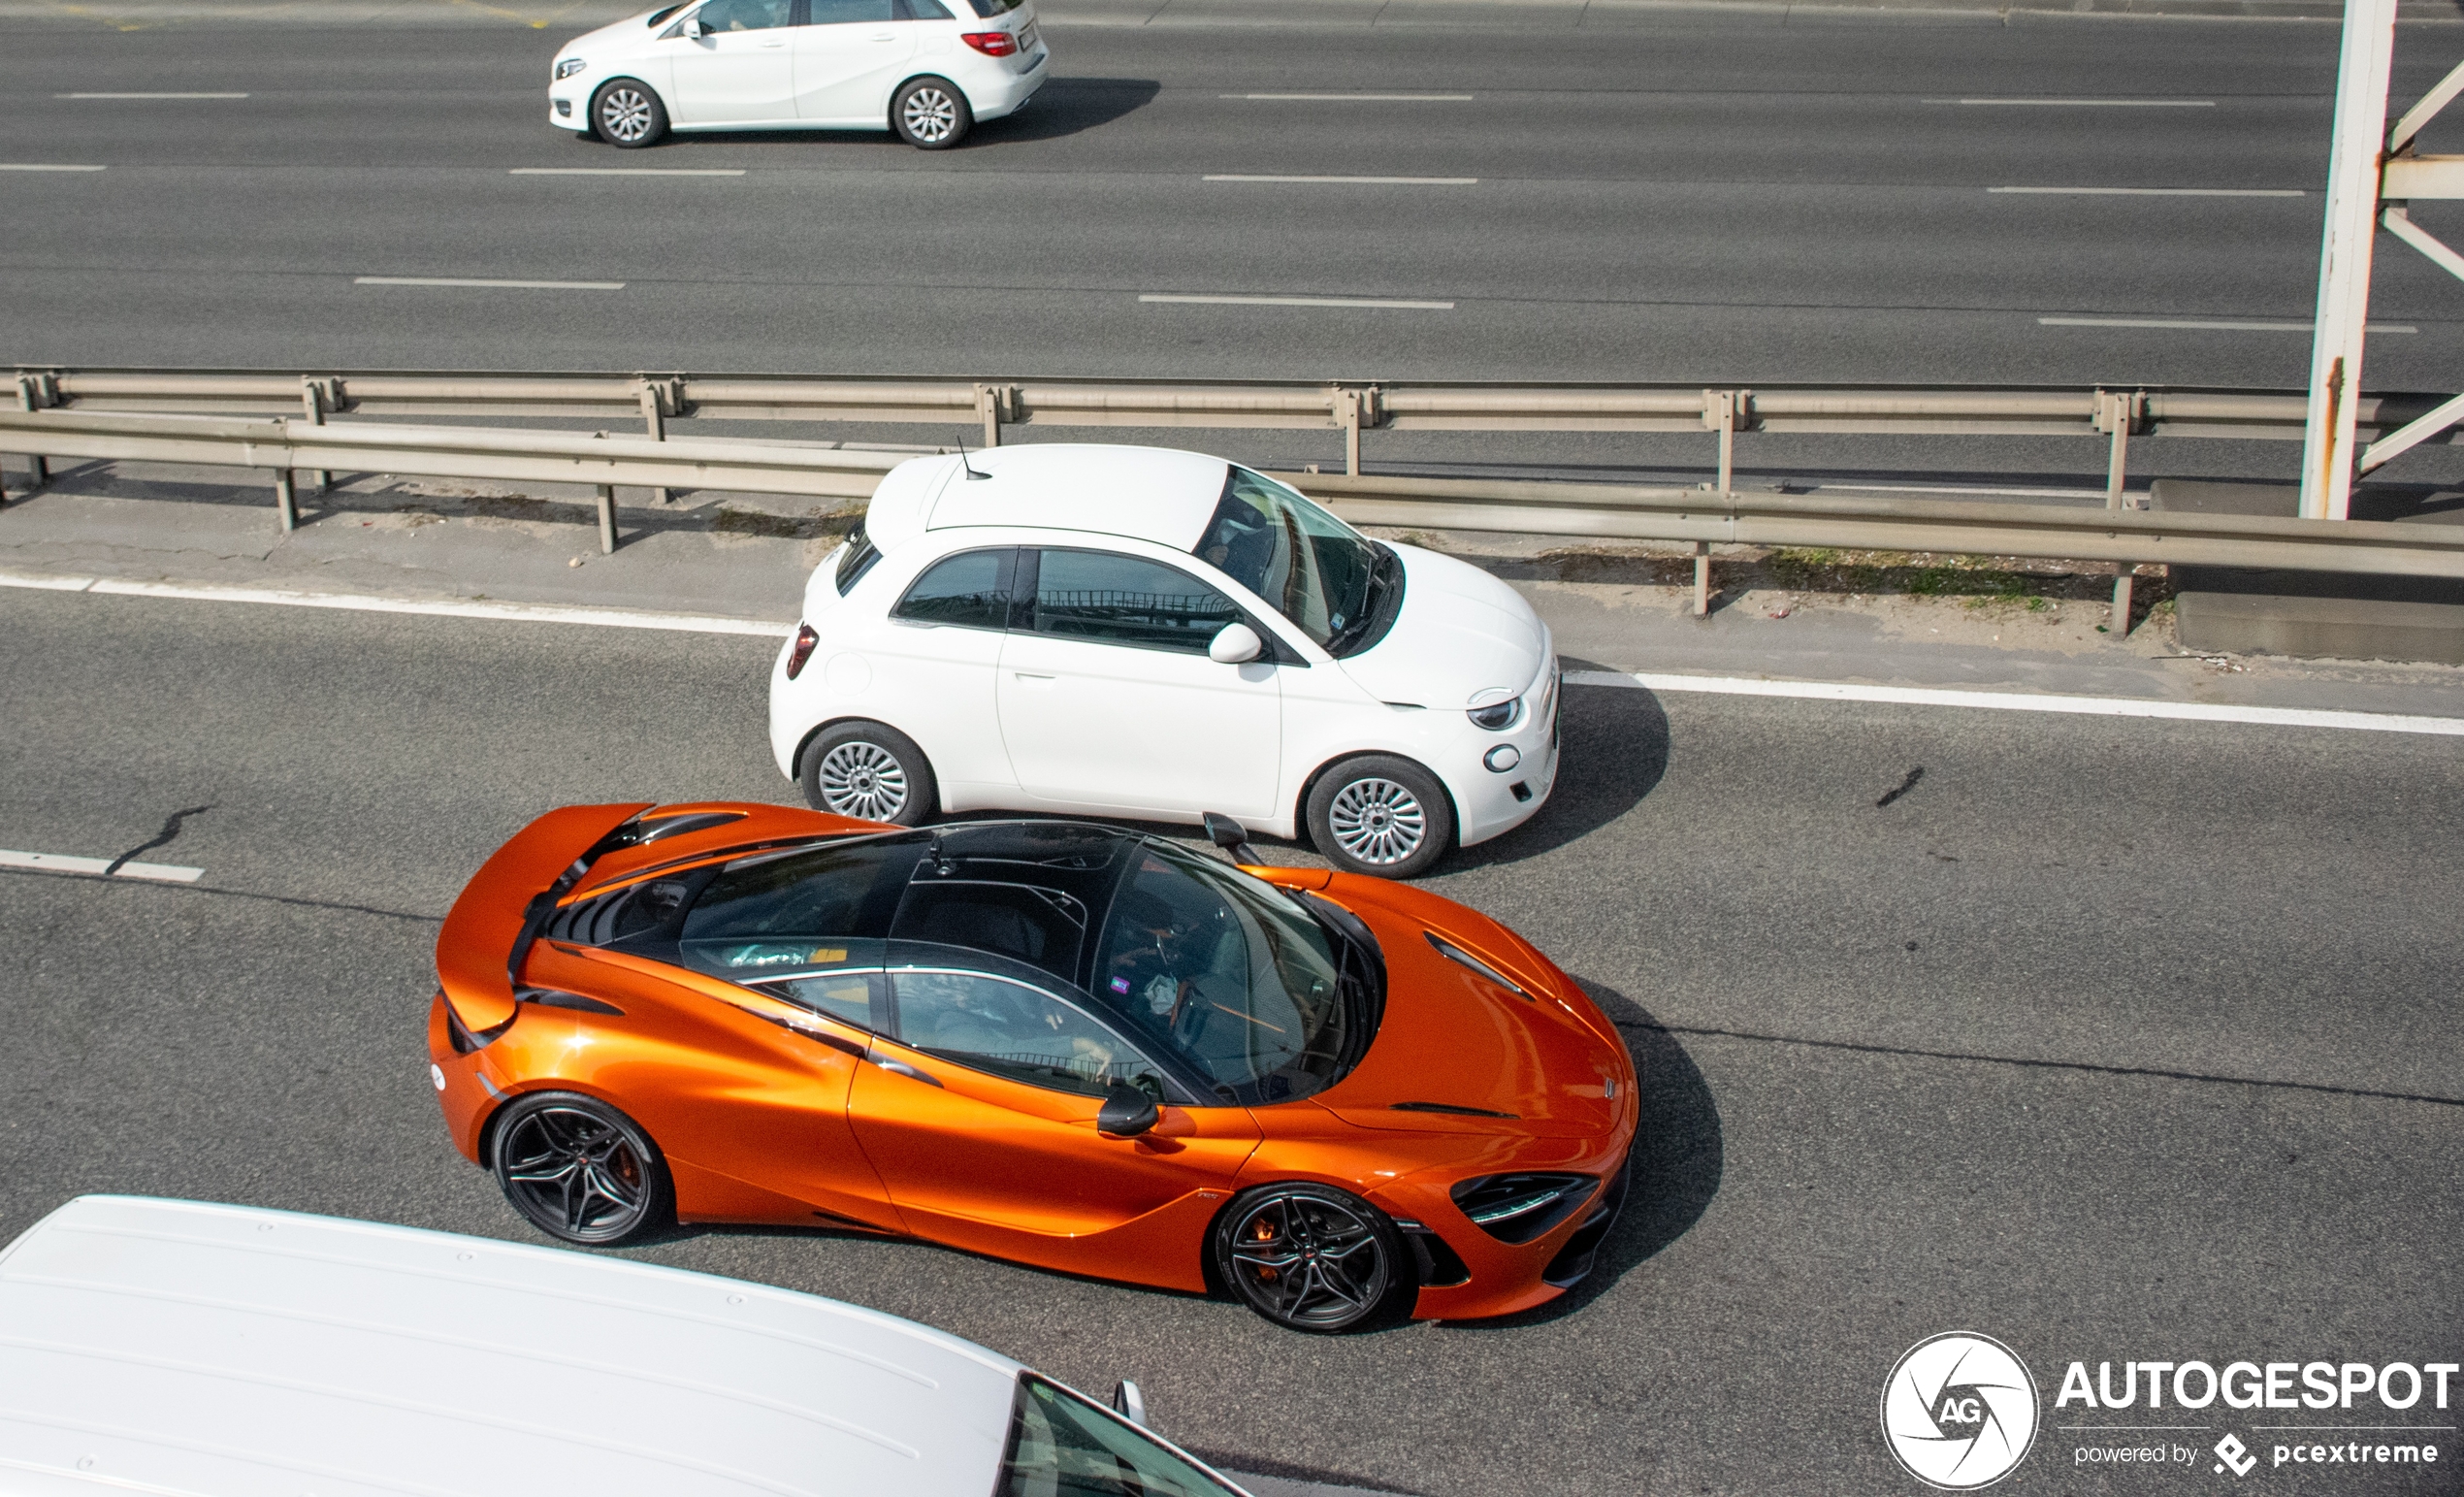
column 62, row 863
column 44, row 165
column 1372, row 181
column 2209, row 325
column 149, row 96
column 449, row 608
column 624, row 171
column 462, row 280
column 1382, row 98
column 1300, row 301
column 2023, row 702
column 2156, row 193
column 2090, row 103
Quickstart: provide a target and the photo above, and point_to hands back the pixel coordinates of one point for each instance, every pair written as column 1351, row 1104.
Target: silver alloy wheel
column 1309, row 1261
column 575, row 1174
column 864, row 780
column 929, row 114
column 623, row 115
column 1377, row 821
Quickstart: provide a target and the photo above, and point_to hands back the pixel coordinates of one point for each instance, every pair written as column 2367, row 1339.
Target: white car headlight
column 568, row 66
column 1497, row 716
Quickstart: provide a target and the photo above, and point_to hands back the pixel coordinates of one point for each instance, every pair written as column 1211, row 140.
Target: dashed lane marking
column 62, row 863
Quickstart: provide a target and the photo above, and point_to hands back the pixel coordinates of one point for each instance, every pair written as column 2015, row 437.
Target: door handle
column 902, row 1068
column 1029, row 675
column 885, row 35
column 773, row 46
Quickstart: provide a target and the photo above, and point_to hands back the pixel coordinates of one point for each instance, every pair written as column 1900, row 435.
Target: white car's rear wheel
column 930, row 114
column 626, row 111
column 869, row 770
column 1380, row 815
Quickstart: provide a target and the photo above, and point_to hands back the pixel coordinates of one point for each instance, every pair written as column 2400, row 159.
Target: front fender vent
column 1521, row 1208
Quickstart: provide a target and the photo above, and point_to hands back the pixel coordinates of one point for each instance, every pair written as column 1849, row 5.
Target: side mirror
column 1230, row 835
column 1128, row 1111
column 1235, row 645
column 694, row 29
column 1129, row 1403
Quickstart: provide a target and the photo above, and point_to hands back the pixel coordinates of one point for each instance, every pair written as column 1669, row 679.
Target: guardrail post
column 313, row 397
column 2120, row 415
column 1348, row 404
column 1720, row 411
column 992, row 403
column 30, row 397
column 1702, row 579
column 654, row 420
column 606, row 519
column 286, row 500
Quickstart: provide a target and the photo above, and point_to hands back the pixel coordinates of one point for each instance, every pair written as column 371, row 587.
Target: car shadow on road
column 1678, row 1159
column 1615, row 749
column 1067, row 106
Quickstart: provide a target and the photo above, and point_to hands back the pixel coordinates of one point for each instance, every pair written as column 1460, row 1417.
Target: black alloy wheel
column 931, row 113
column 1310, row 1257
column 581, row 1170
column 869, row 770
column 626, row 112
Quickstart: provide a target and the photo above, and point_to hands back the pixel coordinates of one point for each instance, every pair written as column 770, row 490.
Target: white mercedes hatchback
column 928, row 70
column 1140, row 632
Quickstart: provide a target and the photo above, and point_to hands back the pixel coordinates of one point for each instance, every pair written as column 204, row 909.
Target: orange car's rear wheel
column 581, row 1170
column 1310, row 1257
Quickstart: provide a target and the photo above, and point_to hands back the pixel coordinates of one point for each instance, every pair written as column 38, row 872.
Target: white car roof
column 1150, row 493
column 179, row 1346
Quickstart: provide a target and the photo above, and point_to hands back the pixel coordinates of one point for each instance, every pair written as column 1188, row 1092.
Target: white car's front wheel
column 930, row 114
column 626, row 112
column 1380, row 815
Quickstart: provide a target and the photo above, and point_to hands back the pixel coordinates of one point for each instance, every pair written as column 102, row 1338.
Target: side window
column 1011, row 1029
column 971, row 589
column 1127, row 599
column 923, row 10
column 830, row 13
column 860, row 999
column 859, row 559
column 745, row 14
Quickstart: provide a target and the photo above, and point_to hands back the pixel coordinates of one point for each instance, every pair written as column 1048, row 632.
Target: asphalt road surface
column 2115, row 1039
column 1658, row 195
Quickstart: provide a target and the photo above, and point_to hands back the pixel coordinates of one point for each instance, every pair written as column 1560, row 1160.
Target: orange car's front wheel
column 581, row 1170
column 1310, row 1257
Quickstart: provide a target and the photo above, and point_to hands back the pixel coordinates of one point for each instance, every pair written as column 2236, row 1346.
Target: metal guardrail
column 1620, row 511
column 2115, row 415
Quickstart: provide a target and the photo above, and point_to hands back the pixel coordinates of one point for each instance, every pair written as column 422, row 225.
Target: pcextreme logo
column 1959, row 1410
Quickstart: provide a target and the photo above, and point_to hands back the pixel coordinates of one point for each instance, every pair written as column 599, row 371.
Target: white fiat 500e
column 926, row 69
column 1141, row 633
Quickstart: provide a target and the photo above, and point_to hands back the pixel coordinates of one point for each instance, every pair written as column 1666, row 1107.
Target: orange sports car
column 1340, row 1098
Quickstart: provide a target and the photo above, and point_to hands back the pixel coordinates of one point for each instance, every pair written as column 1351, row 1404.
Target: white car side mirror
column 692, row 28
column 1235, row 645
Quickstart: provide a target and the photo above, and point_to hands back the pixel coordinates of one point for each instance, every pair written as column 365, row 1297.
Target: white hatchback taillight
column 806, row 639
column 992, row 43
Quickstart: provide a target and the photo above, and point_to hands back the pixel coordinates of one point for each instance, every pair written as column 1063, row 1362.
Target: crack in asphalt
column 2051, row 1065
column 1901, row 788
column 162, row 838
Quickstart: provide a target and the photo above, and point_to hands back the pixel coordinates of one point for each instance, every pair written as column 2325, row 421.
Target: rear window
column 805, row 897
column 1064, row 1447
column 859, row 559
column 990, row 8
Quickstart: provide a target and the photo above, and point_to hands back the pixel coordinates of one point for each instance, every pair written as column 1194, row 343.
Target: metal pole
column 2344, row 258
column 606, row 520
column 286, row 502
column 987, row 407
column 654, row 417
column 1347, row 412
column 312, row 408
column 41, row 466
column 1702, row 579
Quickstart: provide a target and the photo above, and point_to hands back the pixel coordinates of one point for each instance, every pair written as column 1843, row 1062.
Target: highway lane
column 1952, row 1062
column 1702, row 197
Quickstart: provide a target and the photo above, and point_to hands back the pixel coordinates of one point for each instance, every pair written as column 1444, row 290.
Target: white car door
column 932, row 659
column 1109, row 701
column 741, row 70
column 848, row 58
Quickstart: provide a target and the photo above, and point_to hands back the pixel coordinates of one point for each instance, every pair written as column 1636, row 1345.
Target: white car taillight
column 992, row 43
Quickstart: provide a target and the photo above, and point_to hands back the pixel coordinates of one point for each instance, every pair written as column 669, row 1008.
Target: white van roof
column 174, row 1346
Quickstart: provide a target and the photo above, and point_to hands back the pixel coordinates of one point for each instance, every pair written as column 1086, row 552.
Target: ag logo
column 1959, row 1410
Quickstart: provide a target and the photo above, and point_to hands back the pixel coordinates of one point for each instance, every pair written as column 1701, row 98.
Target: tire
column 930, row 114
column 1312, row 1258
column 869, row 770
column 626, row 112
column 581, row 1171
column 1380, row 815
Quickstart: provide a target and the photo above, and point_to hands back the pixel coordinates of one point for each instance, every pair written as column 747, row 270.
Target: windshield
column 1314, row 569
column 1231, row 976
column 1063, row 1446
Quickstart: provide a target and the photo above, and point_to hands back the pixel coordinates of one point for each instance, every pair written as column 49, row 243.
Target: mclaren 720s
column 1341, row 1100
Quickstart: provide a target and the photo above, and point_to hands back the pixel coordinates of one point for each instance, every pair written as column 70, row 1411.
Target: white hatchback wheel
column 864, row 780
column 930, row 114
column 1377, row 821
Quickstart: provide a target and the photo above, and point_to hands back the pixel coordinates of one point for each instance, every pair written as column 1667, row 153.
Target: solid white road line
column 2090, row 103
column 2023, row 702
column 2155, row 192
column 1301, row 301
column 43, row 166
column 149, row 96
column 447, row 607
column 2209, row 325
column 1379, row 98
column 624, row 171
column 61, row 863
column 1372, row 181
column 462, row 280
